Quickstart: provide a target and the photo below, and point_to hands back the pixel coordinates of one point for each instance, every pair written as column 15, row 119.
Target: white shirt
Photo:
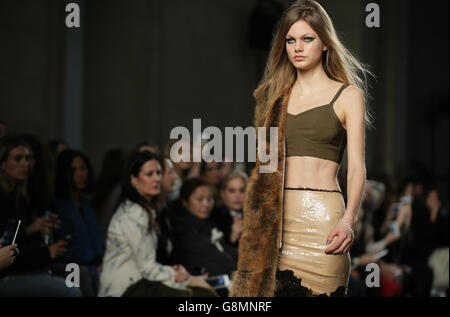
column 130, row 253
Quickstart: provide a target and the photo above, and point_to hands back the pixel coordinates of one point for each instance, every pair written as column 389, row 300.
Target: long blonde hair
column 280, row 75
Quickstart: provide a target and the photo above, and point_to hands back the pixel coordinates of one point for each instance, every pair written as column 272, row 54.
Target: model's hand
column 343, row 242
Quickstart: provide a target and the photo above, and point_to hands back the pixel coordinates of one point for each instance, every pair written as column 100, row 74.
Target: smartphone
column 11, row 230
column 221, row 281
column 393, row 227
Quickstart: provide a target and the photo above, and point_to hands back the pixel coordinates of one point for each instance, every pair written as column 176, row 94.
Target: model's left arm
column 354, row 111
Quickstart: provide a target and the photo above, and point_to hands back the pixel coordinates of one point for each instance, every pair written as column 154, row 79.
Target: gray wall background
column 138, row 68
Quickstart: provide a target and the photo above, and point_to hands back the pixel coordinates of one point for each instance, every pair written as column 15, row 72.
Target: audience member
column 165, row 232
column 29, row 275
column 78, row 225
column 107, row 190
column 200, row 245
column 210, row 173
column 185, row 167
column 40, row 179
column 129, row 266
column 229, row 215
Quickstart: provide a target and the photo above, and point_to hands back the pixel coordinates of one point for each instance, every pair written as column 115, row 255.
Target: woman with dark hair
column 40, row 182
column 28, row 276
column 74, row 180
column 130, row 267
column 107, row 190
column 298, row 229
column 199, row 244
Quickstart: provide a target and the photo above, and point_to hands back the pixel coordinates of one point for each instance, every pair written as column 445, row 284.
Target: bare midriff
column 311, row 172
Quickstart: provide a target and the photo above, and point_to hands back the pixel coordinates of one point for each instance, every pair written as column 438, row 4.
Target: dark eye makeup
column 292, row 40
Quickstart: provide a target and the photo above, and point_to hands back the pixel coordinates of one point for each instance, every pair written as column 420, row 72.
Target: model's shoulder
column 352, row 93
column 350, row 98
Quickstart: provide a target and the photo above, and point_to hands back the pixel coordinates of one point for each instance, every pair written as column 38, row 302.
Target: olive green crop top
column 317, row 132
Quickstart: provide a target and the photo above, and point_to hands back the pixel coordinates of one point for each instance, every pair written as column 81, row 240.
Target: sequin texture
column 308, row 218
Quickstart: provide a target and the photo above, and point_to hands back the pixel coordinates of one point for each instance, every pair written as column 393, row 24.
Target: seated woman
column 228, row 215
column 29, row 275
column 210, row 172
column 129, row 265
column 199, row 244
column 78, row 223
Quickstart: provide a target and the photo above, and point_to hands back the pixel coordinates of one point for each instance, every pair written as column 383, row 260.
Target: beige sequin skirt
column 304, row 269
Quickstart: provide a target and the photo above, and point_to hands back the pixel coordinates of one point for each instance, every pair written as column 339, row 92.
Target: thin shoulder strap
column 339, row 93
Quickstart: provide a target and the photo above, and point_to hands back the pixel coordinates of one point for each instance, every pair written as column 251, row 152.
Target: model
column 298, row 229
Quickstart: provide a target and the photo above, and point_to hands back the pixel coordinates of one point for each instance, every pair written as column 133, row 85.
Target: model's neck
column 312, row 80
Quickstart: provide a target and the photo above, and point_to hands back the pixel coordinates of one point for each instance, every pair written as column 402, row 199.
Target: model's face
column 169, row 177
column 16, row 165
column 303, row 46
column 201, row 202
column 80, row 173
column 148, row 182
column 233, row 194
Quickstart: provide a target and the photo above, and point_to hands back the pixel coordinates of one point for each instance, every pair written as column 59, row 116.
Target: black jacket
column 31, row 258
column 221, row 215
column 193, row 247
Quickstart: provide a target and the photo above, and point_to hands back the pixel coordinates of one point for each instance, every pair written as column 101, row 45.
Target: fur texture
column 261, row 237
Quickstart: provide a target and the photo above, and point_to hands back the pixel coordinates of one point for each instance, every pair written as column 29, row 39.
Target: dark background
column 136, row 69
